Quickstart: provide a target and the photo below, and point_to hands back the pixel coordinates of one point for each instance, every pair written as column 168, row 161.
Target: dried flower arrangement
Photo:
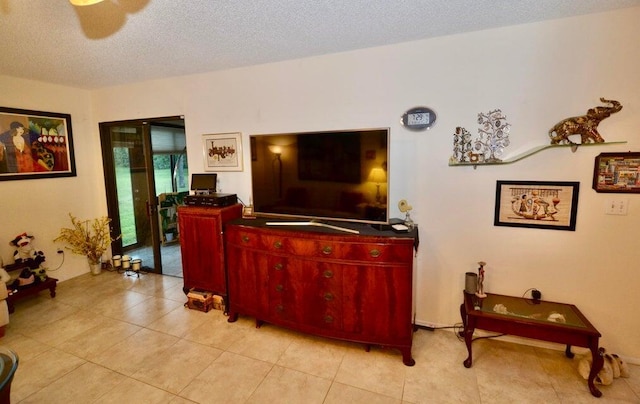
column 90, row 238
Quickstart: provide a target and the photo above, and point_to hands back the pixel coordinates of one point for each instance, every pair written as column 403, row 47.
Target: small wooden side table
column 537, row 319
column 34, row 289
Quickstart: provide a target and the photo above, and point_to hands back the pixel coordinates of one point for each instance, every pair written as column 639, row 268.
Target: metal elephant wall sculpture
column 586, row 125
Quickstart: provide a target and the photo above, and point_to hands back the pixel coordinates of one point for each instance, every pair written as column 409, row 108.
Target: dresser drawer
column 321, row 311
column 249, row 238
column 241, row 237
column 323, row 247
column 369, row 252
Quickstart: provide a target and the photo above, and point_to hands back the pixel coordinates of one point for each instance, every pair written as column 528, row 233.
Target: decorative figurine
column 494, row 135
column 480, row 293
column 461, row 145
column 488, row 147
column 586, row 125
column 25, row 253
column 404, row 207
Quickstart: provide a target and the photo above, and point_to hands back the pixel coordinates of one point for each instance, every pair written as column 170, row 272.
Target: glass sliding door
column 141, row 183
column 170, row 170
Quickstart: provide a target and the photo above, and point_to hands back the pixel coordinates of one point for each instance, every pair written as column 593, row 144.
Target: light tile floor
column 110, row 338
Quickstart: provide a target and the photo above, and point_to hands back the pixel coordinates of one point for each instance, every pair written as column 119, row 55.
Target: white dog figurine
column 612, row 368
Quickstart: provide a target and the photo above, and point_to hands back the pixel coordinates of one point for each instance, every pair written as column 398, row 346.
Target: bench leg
column 52, row 290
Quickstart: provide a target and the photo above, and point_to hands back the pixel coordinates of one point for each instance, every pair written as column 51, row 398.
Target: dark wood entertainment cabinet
column 202, row 246
column 354, row 287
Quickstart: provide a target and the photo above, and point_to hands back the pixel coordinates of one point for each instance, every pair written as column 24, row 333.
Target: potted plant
column 90, row 238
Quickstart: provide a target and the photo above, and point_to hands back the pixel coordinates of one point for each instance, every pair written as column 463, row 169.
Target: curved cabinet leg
column 225, row 306
column 467, row 333
column 598, row 361
column 468, row 338
column 463, row 314
column 233, row 317
column 406, row 357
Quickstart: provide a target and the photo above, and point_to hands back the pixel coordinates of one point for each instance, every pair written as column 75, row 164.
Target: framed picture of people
column 35, row 144
column 537, row 204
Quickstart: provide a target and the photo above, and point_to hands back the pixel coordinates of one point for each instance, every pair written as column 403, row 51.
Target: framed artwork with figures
column 537, row 204
column 222, row 152
column 35, row 144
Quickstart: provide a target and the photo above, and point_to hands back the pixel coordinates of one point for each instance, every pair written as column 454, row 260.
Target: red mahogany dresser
column 354, row 287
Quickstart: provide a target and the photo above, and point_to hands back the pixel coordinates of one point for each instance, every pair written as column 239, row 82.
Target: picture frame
column 35, row 144
column 617, row 172
column 222, row 152
column 537, row 204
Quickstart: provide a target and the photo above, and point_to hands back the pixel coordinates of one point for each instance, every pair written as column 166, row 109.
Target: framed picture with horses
column 35, row 144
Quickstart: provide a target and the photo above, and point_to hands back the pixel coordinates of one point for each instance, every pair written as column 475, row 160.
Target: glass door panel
column 130, row 188
column 146, row 178
column 168, row 143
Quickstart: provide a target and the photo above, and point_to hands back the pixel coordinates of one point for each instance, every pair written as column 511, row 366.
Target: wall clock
column 418, row 118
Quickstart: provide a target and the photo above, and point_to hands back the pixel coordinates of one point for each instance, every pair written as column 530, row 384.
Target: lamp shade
column 275, row 149
column 84, row 2
column 377, row 175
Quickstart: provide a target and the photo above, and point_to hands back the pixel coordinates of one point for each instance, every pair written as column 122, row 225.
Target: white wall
column 537, row 74
column 41, row 206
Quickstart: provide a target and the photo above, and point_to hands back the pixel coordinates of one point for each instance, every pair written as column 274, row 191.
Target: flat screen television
column 332, row 175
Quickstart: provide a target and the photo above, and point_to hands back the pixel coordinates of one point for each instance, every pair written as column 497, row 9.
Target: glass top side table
column 538, row 319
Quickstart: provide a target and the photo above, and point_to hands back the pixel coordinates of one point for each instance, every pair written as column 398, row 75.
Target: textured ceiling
column 124, row 41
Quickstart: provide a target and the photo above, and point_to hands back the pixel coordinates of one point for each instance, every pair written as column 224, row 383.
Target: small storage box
column 204, row 301
column 200, row 300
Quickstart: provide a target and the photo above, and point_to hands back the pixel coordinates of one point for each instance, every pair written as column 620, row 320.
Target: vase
column 95, row 268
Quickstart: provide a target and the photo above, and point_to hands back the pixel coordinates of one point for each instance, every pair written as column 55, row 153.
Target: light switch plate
column 616, row 207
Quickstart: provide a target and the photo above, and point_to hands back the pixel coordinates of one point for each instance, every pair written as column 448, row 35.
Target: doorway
column 146, row 178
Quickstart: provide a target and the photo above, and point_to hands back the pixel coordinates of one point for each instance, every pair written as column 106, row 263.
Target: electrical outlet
column 616, row 207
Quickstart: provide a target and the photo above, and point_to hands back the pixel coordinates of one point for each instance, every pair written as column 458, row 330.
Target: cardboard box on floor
column 204, row 300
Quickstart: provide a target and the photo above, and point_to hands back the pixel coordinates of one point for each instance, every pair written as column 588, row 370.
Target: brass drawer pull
column 327, row 274
column 328, row 319
column 327, row 250
column 278, row 267
column 279, row 288
column 278, row 244
column 375, row 253
column 328, row 296
column 245, row 239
